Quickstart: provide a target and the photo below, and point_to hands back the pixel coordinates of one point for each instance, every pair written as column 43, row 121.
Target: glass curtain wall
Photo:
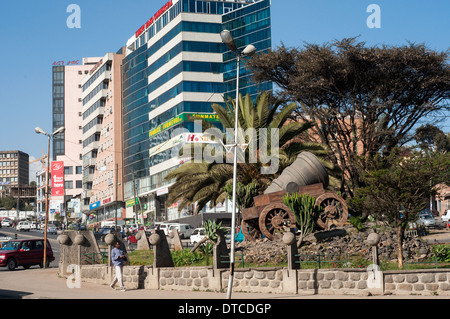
column 250, row 24
column 58, row 110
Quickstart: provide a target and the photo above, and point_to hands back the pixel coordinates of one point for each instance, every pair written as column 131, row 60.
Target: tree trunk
column 204, row 239
column 399, row 248
column 300, row 241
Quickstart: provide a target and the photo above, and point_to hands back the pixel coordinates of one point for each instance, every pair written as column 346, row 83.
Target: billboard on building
column 57, row 178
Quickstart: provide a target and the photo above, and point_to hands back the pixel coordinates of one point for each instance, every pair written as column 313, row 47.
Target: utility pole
column 116, row 180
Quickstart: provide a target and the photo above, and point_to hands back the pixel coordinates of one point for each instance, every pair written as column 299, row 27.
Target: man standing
column 118, row 258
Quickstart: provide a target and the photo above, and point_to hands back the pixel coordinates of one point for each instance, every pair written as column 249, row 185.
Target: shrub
column 185, row 257
column 442, row 252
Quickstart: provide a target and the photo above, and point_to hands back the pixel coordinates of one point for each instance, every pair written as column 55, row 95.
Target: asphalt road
column 35, row 233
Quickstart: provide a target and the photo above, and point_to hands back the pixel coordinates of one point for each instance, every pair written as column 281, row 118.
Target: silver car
column 426, row 220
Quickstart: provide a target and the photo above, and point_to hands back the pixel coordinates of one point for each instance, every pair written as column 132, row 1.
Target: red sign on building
column 57, row 178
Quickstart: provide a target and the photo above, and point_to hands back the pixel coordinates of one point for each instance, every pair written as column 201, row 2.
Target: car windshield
column 11, row 245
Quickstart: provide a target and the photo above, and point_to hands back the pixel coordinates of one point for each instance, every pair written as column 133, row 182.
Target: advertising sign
column 132, row 202
column 184, row 117
column 57, row 178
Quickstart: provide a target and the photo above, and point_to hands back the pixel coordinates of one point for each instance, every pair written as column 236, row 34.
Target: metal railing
column 96, row 258
column 237, row 254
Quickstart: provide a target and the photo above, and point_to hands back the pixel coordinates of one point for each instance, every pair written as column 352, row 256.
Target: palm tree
column 200, row 183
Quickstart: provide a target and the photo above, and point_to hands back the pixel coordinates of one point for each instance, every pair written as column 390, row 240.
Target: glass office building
column 175, row 68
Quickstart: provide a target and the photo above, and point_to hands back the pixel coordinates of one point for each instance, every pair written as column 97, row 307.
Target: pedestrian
column 118, row 258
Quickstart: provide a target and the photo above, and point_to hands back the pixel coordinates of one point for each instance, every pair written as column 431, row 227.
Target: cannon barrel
column 306, row 170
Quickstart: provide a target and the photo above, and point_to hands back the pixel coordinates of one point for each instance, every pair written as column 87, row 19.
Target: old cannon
column 270, row 215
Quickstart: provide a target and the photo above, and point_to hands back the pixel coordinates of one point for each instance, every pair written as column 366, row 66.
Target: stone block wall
column 332, row 282
column 189, row 279
column 265, row 280
column 418, row 282
column 277, row 280
column 99, row 274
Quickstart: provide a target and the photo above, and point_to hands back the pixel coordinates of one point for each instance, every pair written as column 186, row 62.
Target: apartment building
column 102, row 196
column 67, row 113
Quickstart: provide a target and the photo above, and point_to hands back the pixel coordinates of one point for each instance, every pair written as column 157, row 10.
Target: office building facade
column 175, row 68
column 14, row 170
column 102, row 196
column 67, row 113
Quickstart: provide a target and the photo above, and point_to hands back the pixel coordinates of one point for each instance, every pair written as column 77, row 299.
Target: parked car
column 51, row 229
column 25, row 253
column 426, row 220
column 24, row 226
column 184, row 230
column 101, row 233
column 6, row 222
column 446, row 217
column 165, row 227
column 77, row 227
column 197, row 235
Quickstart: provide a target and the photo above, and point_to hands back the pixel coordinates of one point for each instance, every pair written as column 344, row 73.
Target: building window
column 68, row 184
column 79, row 170
column 68, row 170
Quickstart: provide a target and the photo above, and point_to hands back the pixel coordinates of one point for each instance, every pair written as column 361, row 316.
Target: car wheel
column 11, row 264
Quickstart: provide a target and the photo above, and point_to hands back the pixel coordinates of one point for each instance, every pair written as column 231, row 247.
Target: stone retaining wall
column 278, row 280
column 418, row 282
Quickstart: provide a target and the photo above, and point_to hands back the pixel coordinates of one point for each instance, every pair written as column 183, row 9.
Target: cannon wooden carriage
column 270, row 216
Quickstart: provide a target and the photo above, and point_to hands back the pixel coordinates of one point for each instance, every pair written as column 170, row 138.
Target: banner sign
column 57, row 172
column 132, row 202
column 209, row 117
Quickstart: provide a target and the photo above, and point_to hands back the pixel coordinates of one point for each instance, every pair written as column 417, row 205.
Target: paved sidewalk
column 38, row 283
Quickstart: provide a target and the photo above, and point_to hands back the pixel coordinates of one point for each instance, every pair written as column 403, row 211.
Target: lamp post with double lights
column 227, row 38
column 38, row 130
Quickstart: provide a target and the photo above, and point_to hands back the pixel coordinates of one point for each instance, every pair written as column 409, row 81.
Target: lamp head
column 249, row 50
column 60, row 130
column 38, row 130
column 227, row 38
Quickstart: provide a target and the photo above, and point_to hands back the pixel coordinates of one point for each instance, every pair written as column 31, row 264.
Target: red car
column 25, row 253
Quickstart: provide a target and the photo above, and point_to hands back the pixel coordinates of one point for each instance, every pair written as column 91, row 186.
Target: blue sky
column 34, row 34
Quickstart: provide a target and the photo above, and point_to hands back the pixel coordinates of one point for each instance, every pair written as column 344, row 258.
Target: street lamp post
column 38, row 130
column 227, row 38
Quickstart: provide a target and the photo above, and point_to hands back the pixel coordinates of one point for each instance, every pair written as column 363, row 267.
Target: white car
column 6, row 223
column 165, row 227
column 184, row 230
column 25, row 226
column 446, row 217
column 197, row 235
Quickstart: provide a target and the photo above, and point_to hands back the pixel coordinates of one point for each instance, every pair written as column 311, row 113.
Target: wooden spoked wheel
column 335, row 211
column 250, row 229
column 276, row 219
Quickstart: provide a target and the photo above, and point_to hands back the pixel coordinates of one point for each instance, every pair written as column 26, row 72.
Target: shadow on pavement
column 13, row 294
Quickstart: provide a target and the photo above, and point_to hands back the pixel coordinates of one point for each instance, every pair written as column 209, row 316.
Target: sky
column 35, row 34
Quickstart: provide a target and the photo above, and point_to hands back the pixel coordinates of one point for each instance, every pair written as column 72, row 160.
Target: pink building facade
column 67, row 146
column 102, row 198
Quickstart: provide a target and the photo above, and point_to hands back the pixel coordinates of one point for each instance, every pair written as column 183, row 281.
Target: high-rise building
column 67, row 113
column 14, row 170
column 102, row 139
column 175, row 67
